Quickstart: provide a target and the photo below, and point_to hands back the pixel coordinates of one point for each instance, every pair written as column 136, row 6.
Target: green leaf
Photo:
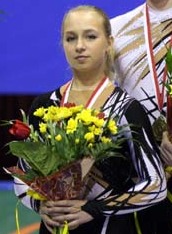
column 40, row 157
column 169, row 60
column 104, row 150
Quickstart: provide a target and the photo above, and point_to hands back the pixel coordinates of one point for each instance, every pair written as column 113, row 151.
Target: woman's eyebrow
column 85, row 31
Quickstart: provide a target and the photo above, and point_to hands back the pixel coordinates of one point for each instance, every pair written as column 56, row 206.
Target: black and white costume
column 113, row 207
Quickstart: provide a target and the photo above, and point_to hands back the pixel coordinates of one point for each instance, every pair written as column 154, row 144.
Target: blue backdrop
column 31, row 56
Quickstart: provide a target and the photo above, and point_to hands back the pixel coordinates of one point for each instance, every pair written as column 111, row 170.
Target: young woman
column 87, row 42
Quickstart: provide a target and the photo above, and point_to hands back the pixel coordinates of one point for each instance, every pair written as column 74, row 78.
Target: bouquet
column 168, row 86
column 61, row 152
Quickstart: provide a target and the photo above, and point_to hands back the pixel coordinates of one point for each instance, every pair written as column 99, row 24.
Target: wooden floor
column 28, row 220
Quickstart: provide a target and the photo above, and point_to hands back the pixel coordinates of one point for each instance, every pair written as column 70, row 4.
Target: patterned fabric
column 131, row 63
column 121, row 196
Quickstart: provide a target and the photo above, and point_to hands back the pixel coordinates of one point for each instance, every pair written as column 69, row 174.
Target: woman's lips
column 81, row 57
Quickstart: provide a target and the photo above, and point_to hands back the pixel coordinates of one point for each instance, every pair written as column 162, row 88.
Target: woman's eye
column 91, row 37
column 69, row 39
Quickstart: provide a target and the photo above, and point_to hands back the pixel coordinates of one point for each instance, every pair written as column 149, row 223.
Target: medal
column 158, row 127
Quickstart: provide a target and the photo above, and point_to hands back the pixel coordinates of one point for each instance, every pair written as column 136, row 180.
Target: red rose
column 20, row 130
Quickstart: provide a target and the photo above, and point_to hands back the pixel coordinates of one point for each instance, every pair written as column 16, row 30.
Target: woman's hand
column 166, row 149
column 43, row 211
column 55, row 213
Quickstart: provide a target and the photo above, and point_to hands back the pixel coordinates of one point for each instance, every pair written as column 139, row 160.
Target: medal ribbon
column 95, row 94
column 151, row 59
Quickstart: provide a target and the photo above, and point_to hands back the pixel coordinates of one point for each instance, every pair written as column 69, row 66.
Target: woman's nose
column 80, row 46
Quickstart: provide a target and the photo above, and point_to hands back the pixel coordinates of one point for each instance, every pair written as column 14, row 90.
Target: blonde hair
column 109, row 69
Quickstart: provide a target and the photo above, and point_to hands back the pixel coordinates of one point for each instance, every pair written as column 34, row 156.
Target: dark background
column 10, row 106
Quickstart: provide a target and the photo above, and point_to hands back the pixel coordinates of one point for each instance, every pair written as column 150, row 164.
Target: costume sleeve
column 149, row 187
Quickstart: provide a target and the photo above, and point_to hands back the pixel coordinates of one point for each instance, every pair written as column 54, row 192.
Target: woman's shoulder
column 127, row 102
column 131, row 106
column 124, row 94
column 118, row 22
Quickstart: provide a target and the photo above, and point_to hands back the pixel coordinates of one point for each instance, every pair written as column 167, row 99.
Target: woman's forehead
column 82, row 19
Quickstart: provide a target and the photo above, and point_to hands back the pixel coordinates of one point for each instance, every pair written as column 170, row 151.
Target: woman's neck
column 160, row 4
column 86, row 82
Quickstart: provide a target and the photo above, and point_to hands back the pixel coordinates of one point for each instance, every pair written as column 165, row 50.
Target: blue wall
column 31, row 57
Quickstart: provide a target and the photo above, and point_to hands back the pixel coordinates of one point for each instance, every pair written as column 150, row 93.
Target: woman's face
column 84, row 40
column 160, row 3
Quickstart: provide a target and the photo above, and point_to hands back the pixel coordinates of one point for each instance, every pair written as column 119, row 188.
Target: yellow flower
column 89, row 136
column 98, row 122
column 85, row 116
column 96, row 131
column 77, row 109
column 71, row 125
column 39, row 112
column 53, row 109
column 56, row 114
column 170, row 88
column 112, row 126
column 90, row 145
column 105, row 139
column 64, row 113
column 77, row 141
column 58, row 137
column 43, row 127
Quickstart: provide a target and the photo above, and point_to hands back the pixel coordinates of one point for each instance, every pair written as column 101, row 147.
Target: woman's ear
column 110, row 46
column 111, row 40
